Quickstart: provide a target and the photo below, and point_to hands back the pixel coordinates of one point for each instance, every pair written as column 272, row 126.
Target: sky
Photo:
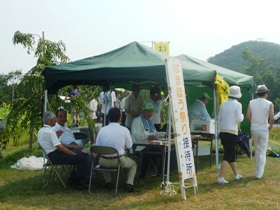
column 198, row 28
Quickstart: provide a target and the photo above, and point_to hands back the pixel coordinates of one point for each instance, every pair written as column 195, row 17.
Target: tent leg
column 46, row 100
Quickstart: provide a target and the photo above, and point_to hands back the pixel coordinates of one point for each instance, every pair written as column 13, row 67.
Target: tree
column 256, row 64
column 262, row 75
column 27, row 110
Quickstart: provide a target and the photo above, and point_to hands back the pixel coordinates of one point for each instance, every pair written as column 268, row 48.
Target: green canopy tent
column 135, row 63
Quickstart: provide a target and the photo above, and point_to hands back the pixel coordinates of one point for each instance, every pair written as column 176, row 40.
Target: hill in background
column 232, row 58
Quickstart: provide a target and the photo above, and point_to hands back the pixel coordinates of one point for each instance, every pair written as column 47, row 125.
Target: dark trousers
column 80, row 160
column 146, row 160
column 229, row 142
column 123, row 118
column 103, row 120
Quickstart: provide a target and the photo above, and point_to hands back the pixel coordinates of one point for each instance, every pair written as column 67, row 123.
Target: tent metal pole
column 216, row 128
column 46, row 101
column 169, row 142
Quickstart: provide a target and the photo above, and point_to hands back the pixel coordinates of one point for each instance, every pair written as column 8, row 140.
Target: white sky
column 199, row 28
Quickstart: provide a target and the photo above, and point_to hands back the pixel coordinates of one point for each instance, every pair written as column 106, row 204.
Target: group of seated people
column 59, row 141
column 60, row 146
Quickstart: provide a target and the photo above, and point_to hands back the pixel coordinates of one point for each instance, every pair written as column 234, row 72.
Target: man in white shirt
column 64, row 134
column 117, row 136
column 258, row 112
column 93, row 107
column 198, row 108
column 107, row 100
column 59, row 154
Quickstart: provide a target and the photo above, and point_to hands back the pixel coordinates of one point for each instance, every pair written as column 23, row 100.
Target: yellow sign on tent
column 222, row 89
column 162, row 47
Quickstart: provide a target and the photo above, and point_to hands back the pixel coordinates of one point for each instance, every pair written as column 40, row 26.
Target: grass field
column 20, row 189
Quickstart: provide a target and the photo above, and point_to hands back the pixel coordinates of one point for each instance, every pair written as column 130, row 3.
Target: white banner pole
column 182, row 135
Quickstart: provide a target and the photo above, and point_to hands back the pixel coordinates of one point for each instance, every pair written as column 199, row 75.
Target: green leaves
column 26, row 111
column 27, row 40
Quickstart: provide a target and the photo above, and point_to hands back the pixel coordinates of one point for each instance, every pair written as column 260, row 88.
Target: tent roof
column 133, row 63
column 230, row 76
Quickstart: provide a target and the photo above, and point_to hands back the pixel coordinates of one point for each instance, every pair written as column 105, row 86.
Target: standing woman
column 229, row 117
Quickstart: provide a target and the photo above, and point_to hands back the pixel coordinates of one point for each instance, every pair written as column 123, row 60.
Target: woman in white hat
column 229, row 117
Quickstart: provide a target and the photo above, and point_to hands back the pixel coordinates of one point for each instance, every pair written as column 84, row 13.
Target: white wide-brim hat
column 234, row 92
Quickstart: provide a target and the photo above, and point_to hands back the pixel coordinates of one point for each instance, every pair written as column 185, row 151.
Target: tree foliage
column 255, row 67
column 26, row 111
column 232, row 58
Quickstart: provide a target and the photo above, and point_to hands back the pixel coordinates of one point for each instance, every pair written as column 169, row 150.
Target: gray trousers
column 126, row 163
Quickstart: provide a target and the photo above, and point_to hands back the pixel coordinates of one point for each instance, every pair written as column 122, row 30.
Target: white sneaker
column 238, row 176
column 222, row 181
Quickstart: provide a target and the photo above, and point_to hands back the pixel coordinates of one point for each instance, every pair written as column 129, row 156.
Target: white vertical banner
column 182, row 135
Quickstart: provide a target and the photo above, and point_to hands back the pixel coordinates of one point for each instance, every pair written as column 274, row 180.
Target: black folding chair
column 53, row 170
column 104, row 150
column 81, row 136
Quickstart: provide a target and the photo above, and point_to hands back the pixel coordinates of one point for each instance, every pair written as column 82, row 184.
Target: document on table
column 156, row 141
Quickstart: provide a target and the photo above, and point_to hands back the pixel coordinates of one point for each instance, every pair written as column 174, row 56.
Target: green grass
column 20, row 189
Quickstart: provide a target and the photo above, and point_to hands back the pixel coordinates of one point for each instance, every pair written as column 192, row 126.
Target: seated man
column 143, row 128
column 198, row 108
column 59, row 154
column 117, row 136
column 64, row 134
column 67, row 139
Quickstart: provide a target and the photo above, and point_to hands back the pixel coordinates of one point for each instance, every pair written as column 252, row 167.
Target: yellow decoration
column 222, row 89
column 162, row 47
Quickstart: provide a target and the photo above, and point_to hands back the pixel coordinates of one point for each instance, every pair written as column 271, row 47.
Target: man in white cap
column 258, row 112
column 143, row 128
column 198, row 108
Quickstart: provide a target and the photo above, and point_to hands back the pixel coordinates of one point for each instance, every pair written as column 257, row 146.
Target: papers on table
column 156, row 142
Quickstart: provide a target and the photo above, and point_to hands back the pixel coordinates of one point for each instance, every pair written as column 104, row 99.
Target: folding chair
column 53, row 170
column 81, row 136
column 104, row 150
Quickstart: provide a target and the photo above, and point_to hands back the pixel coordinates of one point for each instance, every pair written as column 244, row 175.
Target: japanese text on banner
column 180, row 114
